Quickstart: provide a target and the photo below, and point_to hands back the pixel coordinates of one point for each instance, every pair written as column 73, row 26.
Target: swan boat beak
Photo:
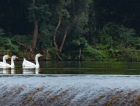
column 8, row 56
column 16, row 57
column 40, row 55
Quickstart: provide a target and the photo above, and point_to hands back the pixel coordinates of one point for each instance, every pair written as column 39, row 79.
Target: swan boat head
column 36, row 60
column 39, row 55
column 6, row 57
column 14, row 57
column 12, row 61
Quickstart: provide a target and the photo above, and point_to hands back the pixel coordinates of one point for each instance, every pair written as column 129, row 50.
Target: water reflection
column 75, row 67
column 14, row 71
column 32, row 71
column 1, row 71
column 18, row 71
column 6, row 71
column 28, row 71
column 38, row 71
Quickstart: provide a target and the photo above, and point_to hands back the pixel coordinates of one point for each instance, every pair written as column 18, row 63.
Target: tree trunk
column 80, row 54
column 35, row 35
column 64, row 38
column 32, row 52
column 66, row 32
column 54, row 38
column 33, row 2
column 59, row 56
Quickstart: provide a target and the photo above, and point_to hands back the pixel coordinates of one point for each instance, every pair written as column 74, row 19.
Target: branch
column 59, row 56
column 22, row 44
column 33, row 2
column 27, row 47
column 66, row 32
column 54, row 37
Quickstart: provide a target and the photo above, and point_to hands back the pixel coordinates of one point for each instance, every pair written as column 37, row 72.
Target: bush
column 6, row 46
column 113, row 36
column 93, row 54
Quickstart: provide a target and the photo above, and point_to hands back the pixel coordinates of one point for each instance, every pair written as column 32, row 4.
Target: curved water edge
column 70, row 90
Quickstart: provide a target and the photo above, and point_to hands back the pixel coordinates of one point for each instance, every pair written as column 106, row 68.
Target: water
column 71, row 84
column 70, row 90
column 75, row 67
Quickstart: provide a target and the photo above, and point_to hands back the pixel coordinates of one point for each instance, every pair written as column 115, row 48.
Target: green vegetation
column 95, row 30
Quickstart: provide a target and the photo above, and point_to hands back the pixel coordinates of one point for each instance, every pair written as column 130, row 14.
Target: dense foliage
column 71, row 29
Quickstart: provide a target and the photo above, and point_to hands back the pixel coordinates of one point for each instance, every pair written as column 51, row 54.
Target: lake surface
column 76, row 67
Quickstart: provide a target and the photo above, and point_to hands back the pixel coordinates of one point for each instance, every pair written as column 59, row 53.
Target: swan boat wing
column 8, row 65
column 2, row 64
column 28, row 64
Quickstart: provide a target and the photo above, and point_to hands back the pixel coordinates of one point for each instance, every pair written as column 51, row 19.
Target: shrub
column 112, row 36
column 91, row 53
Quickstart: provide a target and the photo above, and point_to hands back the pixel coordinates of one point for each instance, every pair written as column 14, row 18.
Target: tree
column 38, row 11
column 71, row 15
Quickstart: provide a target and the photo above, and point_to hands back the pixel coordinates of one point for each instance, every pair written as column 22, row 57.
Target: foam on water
column 70, row 90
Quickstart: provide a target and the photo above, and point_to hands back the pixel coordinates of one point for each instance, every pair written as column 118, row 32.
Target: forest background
column 98, row 30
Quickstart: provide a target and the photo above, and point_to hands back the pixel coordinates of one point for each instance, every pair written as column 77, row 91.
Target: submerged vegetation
column 70, row 29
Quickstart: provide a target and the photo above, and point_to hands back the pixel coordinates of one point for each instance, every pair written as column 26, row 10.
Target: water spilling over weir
column 69, row 90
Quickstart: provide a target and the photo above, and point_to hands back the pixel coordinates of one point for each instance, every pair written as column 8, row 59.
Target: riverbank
column 70, row 90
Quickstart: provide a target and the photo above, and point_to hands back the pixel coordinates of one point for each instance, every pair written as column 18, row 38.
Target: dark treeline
column 71, row 29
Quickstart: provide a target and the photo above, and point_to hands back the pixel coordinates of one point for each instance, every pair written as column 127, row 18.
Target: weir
column 69, row 90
